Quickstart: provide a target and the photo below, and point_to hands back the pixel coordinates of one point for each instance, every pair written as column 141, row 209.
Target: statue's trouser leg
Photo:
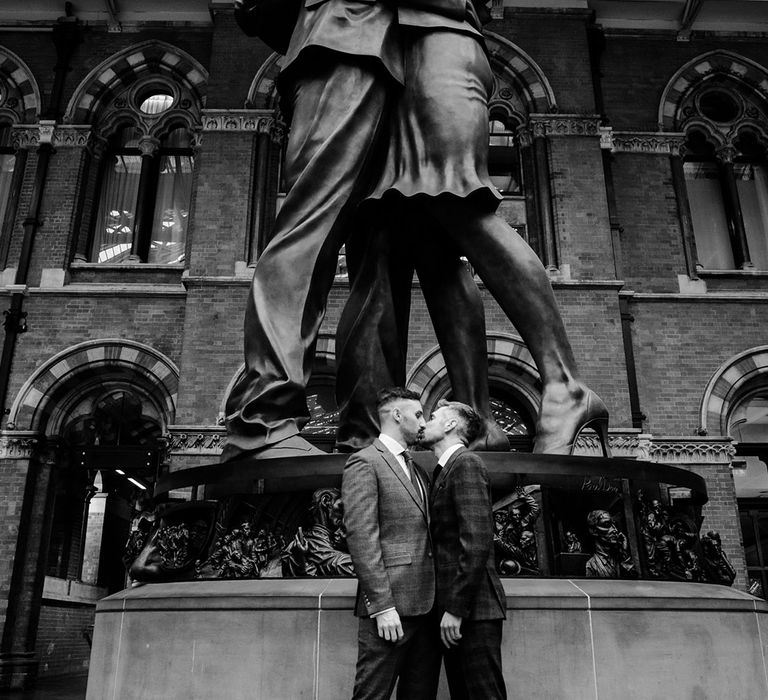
column 371, row 339
column 337, row 113
column 372, row 333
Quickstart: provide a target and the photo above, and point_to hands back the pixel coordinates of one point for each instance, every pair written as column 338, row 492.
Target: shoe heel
column 600, row 426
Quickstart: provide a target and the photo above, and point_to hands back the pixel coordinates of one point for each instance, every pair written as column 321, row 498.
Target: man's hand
column 450, row 630
column 388, row 624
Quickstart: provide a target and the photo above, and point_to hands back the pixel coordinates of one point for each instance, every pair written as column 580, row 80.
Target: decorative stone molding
column 18, row 444
column 195, row 440
column 643, row 142
column 59, row 135
column 565, row 125
column 686, row 450
column 624, row 444
column 256, row 120
column 72, row 135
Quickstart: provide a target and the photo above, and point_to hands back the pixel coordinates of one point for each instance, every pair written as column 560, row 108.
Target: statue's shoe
column 565, row 424
column 493, row 439
column 293, row 446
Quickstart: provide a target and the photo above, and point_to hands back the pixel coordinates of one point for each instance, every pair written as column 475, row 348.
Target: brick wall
column 678, row 346
column 557, row 42
column 580, row 209
column 61, row 646
column 636, row 69
column 651, row 240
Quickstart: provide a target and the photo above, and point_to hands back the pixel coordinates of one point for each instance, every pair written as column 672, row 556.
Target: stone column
column 26, row 464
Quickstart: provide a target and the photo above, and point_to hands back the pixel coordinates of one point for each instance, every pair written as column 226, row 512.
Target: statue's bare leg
column 518, row 281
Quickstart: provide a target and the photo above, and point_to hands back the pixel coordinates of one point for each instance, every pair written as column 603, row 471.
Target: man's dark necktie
column 412, row 472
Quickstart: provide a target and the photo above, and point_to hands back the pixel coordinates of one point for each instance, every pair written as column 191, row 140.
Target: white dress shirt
column 447, row 454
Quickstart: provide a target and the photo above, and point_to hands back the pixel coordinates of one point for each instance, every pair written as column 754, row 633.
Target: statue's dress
column 438, row 140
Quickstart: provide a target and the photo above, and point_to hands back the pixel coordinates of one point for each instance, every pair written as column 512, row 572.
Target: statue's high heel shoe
column 492, row 439
column 591, row 413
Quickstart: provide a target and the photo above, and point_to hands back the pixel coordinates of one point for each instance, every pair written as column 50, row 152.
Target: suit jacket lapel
column 448, row 466
column 394, row 465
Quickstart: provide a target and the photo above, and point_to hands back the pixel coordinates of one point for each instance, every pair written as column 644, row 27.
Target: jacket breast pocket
column 401, row 559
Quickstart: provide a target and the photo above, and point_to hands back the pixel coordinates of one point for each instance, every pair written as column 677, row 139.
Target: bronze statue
column 321, row 550
column 348, row 70
column 717, row 568
column 513, row 538
column 611, row 558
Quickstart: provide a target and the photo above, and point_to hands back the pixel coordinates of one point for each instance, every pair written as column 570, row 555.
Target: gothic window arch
column 513, row 381
column 518, row 155
column 144, row 105
column 720, row 103
column 735, row 403
column 19, row 104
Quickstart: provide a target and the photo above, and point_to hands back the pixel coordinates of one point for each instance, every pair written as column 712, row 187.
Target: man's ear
column 396, row 415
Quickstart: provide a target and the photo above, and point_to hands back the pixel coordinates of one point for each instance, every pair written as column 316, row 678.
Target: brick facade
column 618, row 236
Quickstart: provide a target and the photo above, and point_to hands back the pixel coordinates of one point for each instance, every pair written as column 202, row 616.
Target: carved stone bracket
column 18, row 444
column 565, row 125
column 255, row 120
column 691, row 451
column 627, row 445
column 643, row 142
column 59, row 135
column 195, row 440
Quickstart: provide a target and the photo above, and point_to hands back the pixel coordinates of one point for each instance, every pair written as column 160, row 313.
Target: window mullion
column 736, row 229
column 145, row 205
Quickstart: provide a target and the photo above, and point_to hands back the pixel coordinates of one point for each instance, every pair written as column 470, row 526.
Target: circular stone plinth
column 506, row 470
column 563, row 639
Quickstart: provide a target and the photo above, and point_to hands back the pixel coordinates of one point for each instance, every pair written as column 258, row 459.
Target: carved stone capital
column 564, row 125
column 149, row 145
column 195, row 440
column 682, row 450
column 233, row 120
column 726, row 154
column 660, row 143
column 278, row 132
column 18, row 444
column 524, row 136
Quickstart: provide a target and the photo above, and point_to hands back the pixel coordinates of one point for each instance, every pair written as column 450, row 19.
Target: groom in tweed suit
column 470, row 597
column 387, row 521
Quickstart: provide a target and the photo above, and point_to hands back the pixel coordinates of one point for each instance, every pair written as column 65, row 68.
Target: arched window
column 144, row 198
column 144, row 105
column 720, row 102
column 7, row 164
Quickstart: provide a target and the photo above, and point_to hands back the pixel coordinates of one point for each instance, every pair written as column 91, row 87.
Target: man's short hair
column 470, row 426
column 392, row 394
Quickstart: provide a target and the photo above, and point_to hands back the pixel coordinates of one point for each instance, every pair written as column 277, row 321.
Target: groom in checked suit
column 470, row 598
column 387, row 522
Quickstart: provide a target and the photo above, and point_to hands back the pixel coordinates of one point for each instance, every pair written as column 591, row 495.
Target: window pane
column 169, row 228
column 752, row 183
column 710, row 225
column 749, row 421
column 503, row 158
column 7, row 161
column 117, row 209
column 748, row 535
